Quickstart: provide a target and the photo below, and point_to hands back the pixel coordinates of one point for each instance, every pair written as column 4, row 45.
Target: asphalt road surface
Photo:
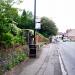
column 67, row 52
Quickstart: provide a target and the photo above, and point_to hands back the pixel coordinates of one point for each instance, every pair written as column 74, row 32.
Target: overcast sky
column 62, row 12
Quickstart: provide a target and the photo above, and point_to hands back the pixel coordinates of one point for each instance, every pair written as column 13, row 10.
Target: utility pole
column 34, row 21
column 32, row 52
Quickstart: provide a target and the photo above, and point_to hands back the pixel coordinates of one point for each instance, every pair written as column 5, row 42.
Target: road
column 47, row 64
column 67, row 52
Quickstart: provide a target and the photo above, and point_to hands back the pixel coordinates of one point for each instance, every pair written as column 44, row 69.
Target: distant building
column 70, row 34
column 59, row 35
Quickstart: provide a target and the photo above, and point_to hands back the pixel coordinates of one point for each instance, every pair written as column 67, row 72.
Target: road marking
column 64, row 72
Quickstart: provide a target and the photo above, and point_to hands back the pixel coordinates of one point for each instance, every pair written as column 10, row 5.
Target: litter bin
column 32, row 50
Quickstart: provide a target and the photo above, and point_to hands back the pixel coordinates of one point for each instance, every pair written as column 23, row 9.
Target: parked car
column 66, row 40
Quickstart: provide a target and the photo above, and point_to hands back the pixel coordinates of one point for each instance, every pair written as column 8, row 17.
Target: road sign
column 38, row 26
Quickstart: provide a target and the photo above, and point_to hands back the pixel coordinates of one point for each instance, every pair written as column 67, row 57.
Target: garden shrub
column 18, row 39
column 16, row 59
column 15, row 30
column 7, row 39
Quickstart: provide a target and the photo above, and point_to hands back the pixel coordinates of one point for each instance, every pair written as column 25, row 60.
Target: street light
column 37, row 24
column 32, row 52
column 32, row 47
column 34, row 20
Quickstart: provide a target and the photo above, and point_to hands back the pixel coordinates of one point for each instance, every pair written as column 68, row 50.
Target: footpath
column 46, row 64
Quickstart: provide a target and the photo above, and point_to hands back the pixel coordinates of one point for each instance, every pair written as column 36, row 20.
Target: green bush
column 15, row 30
column 16, row 59
column 7, row 39
column 18, row 39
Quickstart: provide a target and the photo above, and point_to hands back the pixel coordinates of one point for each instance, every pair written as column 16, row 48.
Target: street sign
column 38, row 26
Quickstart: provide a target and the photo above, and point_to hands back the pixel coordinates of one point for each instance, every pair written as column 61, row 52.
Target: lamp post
column 32, row 52
column 34, row 21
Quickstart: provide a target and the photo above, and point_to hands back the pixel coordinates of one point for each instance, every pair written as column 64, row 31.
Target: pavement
column 47, row 64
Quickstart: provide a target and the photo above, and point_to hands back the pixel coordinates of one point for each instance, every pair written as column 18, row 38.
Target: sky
column 62, row 12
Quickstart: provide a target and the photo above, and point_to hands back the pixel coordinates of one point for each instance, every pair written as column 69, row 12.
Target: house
column 70, row 34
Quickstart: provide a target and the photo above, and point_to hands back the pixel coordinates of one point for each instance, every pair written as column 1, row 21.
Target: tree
column 30, row 20
column 7, row 16
column 11, row 2
column 48, row 27
column 26, row 21
column 8, row 29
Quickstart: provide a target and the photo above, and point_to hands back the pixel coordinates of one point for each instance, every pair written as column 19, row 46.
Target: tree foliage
column 48, row 27
column 8, row 21
column 11, row 23
column 11, row 2
column 26, row 20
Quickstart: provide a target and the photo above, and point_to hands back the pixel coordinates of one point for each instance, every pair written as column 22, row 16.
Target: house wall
column 71, row 34
column 72, row 38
